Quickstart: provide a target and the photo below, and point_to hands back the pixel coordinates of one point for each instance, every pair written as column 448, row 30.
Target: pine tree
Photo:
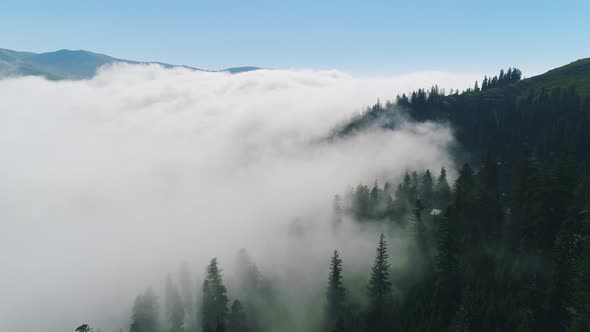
column 174, row 307
column 145, row 313
column 443, row 190
column 380, row 295
column 426, row 189
column 446, row 258
column 237, row 318
column 214, row 308
column 509, row 75
column 403, row 194
column 421, row 240
column 463, row 187
column 375, row 200
column 407, row 184
column 335, row 294
column 494, row 83
column 362, row 202
column 414, row 187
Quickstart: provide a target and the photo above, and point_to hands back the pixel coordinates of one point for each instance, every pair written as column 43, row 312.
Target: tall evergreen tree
column 380, row 293
column 335, row 294
column 414, row 188
column 237, row 318
column 463, row 188
column 214, row 308
column 407, row 184
column 375, row 200
column 427, row 189
column 362, row 202
column 422, row 263
column 446, row 258
column 442, row 190
column 145, row 313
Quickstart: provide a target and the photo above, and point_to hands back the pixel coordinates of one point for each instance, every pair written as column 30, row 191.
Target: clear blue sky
column 359, row 37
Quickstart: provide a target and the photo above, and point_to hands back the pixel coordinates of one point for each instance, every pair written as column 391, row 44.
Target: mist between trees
column 117, row 180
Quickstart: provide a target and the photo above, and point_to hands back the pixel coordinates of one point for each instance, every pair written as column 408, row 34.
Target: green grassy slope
column 576, row 74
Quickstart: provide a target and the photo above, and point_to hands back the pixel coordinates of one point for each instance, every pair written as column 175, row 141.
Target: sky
column 357, row 37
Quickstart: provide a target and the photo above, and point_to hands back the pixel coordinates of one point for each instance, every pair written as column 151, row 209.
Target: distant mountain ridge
column 73, row 64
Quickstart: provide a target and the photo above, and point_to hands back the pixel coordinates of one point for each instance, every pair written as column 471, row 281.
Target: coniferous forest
column 505, row 246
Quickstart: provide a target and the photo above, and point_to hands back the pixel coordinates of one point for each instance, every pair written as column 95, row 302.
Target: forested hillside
column 512, row 246
column 491, row 261
column 502, row 115
column 505, row 247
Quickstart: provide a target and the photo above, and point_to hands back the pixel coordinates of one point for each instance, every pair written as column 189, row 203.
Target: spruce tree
column 362, row 202
column 446, row 258
column 380, row 294
column 145, row 313
column 442, row 190
column 463, row 187
column 406, row 185
column 422, row 263
column 214, row 307
column 237, row 318
column 426, row 189
column 375, row 200
column 414, row 187
column 335, row 294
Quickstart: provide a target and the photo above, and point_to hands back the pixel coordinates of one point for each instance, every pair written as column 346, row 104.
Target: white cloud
column 110, row 182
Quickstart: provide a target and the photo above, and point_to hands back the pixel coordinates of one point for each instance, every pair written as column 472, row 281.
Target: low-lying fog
column 109, row 184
